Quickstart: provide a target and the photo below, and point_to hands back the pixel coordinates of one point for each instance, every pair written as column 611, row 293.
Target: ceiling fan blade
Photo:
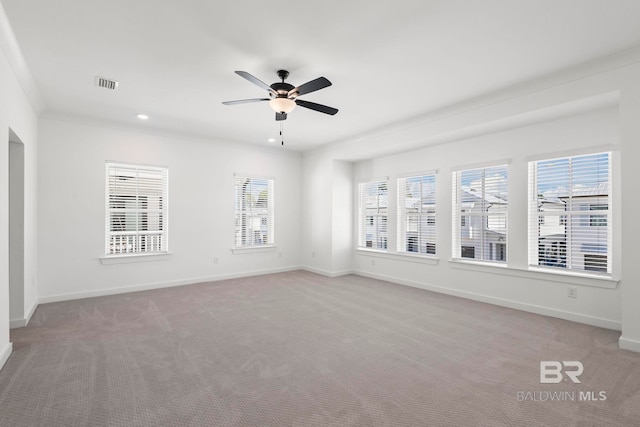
column 312, row 86
column 244, row 101
column 316, row 107
column 256, row 81
column 281, row 116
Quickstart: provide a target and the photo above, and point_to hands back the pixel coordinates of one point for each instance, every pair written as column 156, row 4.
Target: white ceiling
column 389, row 60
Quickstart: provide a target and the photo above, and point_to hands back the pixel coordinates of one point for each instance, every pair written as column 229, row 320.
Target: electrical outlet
column 572, row 292
column 373, row 262
column 279, row 254
column 215, row 260
column 313, row 254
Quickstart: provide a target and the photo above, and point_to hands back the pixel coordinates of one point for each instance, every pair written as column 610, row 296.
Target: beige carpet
column 298, row 349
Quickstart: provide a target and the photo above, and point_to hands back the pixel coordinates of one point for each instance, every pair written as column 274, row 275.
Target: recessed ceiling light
column 271, row 140
column 143, row 116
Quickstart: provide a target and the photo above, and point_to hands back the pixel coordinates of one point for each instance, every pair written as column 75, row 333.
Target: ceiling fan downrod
column 283, row 74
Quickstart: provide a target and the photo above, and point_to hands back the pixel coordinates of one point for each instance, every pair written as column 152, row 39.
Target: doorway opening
column 16, row 231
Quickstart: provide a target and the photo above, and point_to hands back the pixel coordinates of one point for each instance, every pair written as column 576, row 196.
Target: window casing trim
column 153, row 193
column 398, row 256
column 129, row 258
column 266, row 214
column 426, row 214
column 579, row 220
column 253, row 249
column 481, row 165
column 466, row 223
column 380, row 226
column 572, row 153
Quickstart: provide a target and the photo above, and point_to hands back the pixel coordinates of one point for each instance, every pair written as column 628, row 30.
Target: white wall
column 327, row 212
column 630, row 206
column 72, row 160
column 18, row 113
column 596, row 305
column 342, row 212
column 317, row 214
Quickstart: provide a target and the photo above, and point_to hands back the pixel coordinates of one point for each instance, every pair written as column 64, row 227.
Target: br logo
column 551, row 371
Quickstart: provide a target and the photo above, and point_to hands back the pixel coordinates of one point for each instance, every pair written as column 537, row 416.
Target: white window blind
column 417, row 214
column 137, row 209
column 570, row 213
column 480, row 214
column 254, row 211
column 373, row 204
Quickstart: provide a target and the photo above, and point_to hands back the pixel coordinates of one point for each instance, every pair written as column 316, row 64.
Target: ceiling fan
column 283, row 97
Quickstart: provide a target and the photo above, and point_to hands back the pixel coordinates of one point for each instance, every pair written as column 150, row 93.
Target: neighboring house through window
column 480, row 207
column 137, row 209
column 417, row 214
column 373, row 204
column 572, row 194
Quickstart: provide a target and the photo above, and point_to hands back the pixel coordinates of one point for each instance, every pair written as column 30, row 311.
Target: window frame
column 261, row 213
column 380, row 238
column 579, row 214
column 463, row 217
column 428, row 214
column 139, row 238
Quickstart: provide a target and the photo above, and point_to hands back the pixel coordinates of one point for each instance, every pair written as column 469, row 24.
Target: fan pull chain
column 281, row 137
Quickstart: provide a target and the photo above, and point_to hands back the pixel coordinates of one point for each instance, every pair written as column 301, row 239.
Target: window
column 572, row 194
column 417, row 214
column 373, row 203
column 595, row 262
column 468, row 252
column 137, row 209
column 498, row 251
column 254, row 212
column 598, row 220
column 480, row 207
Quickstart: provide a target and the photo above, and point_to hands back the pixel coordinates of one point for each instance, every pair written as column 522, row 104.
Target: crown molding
column 528, row 104
column 9, row 46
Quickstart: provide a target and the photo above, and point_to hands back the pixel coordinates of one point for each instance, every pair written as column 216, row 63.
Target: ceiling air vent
column 106, row 83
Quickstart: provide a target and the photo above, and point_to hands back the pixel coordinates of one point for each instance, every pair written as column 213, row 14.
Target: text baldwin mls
column 561, row 396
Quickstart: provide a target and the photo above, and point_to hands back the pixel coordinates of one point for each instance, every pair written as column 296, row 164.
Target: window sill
column 372, row 251
column 421, row 259
column 129, row 258
column 254, row 249
column 464, row 262
column 566, row 277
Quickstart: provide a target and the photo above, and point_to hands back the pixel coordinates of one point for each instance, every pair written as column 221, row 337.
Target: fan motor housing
column 282, row 87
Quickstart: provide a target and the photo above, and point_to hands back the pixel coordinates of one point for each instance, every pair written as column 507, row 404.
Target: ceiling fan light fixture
column 282, row 105
column 283, row 97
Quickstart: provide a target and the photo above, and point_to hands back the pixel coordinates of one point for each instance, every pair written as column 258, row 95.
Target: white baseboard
column 159, row 285
column 17, row 323
column 531, row 308
column 546, row 311
column 629, row 344
column 325, row 272
column 5, row 353
column 21, row 323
